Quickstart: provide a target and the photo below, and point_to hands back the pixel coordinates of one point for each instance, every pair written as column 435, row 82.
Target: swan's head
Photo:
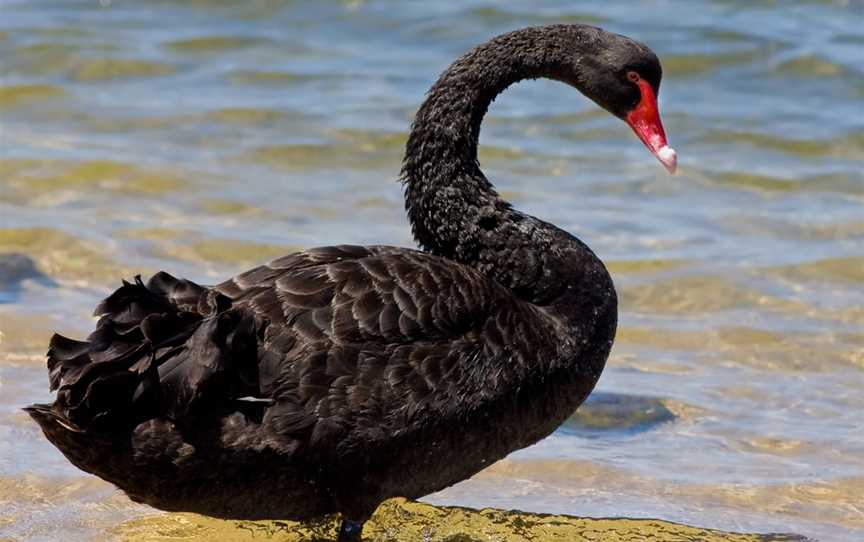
column 623, row 77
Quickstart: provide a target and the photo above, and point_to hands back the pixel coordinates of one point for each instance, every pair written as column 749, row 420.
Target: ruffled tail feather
column 166, row 348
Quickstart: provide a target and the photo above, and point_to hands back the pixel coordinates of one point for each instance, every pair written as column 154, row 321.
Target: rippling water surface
column 204, row 137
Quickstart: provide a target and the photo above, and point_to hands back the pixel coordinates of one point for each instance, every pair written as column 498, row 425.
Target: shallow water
column 204, row 137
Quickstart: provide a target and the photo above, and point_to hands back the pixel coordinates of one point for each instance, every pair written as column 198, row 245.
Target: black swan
column 332, row 379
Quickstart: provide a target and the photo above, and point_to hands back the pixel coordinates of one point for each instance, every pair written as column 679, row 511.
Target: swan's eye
column 633, row 76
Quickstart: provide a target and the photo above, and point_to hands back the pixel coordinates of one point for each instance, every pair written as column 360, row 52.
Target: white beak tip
column 669, row 158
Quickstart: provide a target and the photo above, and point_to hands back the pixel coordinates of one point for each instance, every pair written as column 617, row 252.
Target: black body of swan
column 331, row 379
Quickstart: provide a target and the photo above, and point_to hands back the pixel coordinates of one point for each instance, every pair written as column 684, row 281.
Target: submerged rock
column 604, row 411
column 398, row 520
column 15, row 268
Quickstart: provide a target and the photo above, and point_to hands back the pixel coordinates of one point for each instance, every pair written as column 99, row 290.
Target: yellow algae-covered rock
column 399, row 520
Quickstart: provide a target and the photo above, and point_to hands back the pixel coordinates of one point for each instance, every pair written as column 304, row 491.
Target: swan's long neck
column 454, row 210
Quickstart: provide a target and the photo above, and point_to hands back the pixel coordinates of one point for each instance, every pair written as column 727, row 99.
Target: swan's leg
column 350, row 531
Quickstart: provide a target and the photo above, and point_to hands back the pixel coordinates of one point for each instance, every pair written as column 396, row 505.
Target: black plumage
column 334, row 378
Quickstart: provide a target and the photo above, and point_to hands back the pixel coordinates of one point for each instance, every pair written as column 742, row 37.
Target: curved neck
column 442, row 146
column 453, row 209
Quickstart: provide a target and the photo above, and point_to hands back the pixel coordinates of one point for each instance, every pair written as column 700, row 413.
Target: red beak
column 645, row 121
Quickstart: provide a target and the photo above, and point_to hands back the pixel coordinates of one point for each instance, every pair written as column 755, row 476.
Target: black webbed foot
column 350, row 531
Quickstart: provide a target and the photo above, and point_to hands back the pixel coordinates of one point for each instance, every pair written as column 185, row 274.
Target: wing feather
column 368, row 337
